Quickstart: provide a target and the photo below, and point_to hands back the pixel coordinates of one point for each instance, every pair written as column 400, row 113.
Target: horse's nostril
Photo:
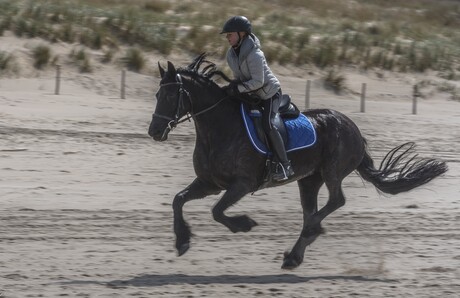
column 157, row 134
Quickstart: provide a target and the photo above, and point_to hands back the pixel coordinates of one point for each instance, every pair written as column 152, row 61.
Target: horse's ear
column 171, row 68
column 162, row 71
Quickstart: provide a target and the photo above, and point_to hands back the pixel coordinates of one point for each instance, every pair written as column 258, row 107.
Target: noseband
column 173, row 122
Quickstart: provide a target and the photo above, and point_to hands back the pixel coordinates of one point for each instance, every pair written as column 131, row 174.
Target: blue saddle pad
column 300, row 132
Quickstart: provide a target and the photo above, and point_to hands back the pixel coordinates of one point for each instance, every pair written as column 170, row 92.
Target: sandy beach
column 85, row 200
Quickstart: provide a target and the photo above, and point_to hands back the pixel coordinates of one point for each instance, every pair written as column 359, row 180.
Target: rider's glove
column 231, row 89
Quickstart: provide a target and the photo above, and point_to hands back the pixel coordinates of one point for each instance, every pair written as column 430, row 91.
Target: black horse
column 225, row 160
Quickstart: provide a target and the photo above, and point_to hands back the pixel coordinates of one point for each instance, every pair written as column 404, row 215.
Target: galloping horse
column 225, row 160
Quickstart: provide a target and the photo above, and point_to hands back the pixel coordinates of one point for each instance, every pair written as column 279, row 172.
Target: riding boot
column 284, row 169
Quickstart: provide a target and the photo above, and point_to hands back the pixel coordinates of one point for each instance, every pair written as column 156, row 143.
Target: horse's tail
column 401, row 170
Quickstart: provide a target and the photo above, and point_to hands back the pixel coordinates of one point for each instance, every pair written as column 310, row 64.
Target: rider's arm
column 255, row 64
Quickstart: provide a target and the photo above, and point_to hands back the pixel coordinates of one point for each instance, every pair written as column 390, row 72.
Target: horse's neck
column 222, row 118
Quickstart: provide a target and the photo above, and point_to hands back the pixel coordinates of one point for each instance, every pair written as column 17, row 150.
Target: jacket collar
column 249, row 43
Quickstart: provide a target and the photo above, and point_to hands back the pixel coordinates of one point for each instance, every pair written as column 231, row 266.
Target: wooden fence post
column 307, row 95
column 414, row 99
column 123, row 81
column 363, row 97
column 58, row 80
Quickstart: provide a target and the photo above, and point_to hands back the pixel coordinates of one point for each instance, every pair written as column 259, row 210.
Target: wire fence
column 362, row 94
column 307, row 101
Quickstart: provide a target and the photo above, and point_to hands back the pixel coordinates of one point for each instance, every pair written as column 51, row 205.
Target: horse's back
column 338, row 136
column 332, row 121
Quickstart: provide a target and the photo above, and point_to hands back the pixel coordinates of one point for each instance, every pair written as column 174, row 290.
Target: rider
column 252, row 75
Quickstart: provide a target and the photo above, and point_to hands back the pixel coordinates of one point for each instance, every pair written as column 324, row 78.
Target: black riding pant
column 270, row 108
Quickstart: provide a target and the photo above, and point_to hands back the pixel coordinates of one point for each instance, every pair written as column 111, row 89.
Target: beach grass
column 413, row 35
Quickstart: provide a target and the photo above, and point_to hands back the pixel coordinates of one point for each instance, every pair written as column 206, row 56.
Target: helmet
column 237, row 24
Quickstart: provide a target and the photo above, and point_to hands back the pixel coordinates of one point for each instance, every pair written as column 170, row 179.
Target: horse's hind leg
column 309, row 188
column 196, row 190
column 312, row 226
column 336, row 200
column 241, row 223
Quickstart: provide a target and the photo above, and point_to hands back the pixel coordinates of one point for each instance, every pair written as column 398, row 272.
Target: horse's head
column 173, row 102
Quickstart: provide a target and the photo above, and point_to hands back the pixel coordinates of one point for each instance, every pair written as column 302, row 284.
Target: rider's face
column 232, row 38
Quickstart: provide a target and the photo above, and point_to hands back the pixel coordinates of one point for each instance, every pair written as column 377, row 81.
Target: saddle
column 287, row 110
column 295, row 128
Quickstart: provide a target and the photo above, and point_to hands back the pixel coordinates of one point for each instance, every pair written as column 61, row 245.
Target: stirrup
column 283, row 172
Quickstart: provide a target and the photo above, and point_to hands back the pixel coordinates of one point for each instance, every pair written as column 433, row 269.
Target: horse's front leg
column 241, row 223
column 196, row 190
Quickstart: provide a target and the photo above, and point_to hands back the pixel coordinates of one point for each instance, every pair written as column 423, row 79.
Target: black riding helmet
column 237, row 24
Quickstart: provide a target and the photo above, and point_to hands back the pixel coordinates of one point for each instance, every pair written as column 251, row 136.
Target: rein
column 173, row 122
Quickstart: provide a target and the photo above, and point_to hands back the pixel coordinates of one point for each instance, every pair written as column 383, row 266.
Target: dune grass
column 412, row 35
column 81, row 59
column 5, row 60
column 41, row 55
column 134, row 59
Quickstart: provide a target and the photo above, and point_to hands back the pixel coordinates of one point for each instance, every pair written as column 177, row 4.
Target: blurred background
column 401, row 36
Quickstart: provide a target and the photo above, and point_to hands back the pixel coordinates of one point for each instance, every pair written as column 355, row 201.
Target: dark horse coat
column 224, row 159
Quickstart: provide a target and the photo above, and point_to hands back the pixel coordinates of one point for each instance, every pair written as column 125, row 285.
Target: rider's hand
column 231, row 89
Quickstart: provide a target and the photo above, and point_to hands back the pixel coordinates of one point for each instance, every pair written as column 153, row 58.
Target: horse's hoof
column 289, row 262
column 183, row 249
column 242, row 223
column 251, row 223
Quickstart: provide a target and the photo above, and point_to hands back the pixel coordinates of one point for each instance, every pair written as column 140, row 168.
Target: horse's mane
column 203, row 70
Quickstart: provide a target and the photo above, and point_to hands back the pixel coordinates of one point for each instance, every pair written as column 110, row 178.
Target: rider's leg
column 284, row 171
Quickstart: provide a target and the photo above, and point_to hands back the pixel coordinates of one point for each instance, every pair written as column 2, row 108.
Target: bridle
column 174, row 121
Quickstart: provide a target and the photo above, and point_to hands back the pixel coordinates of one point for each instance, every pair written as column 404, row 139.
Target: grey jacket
column 251, row 68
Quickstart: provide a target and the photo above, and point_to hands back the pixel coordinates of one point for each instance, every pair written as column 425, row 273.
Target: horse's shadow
column 158, row 280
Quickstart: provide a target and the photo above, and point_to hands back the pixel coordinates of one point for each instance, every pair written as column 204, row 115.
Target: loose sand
column 85, row 201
